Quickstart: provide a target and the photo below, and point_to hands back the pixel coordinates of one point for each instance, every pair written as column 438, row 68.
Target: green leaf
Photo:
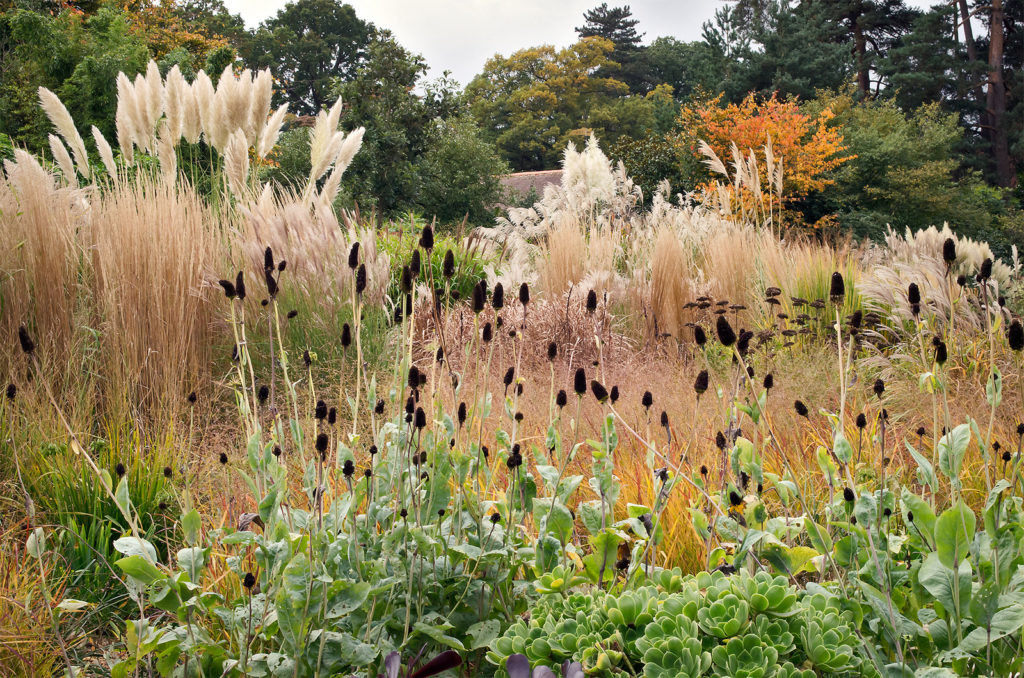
column 343, row 597
column 439, row 636
column 121, row 496
column 483, row 633
column 994, row 387
column 139, row 568
column 938, row 581
column 135, row 546
column 925, row 470
column 36, row 544
column 190, row 523
column 1004, row 622
column 842, row 448
column 952, row 448
column 924, row 518
column 954, row 531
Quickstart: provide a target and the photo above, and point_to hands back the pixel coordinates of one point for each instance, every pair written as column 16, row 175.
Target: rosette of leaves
column 746, row 657
column 766, row 594
column 787, row 670
column 670, row 647
column 774, row 632
column 829, row 642
column 725, row 617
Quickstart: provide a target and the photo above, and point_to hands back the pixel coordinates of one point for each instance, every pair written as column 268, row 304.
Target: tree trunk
column 995, row 103
column 860, row 50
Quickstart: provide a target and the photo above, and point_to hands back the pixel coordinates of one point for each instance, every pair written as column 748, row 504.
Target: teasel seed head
column 427, row 238
column 940, row 353
column 769, row 382
column 223, row 458
column 664, row 419
column 479, row 297
column 986, row 269
column 700, row 385
column 949, row 252
column 361, row 279
column 240, row 285
column 879, row 388
column 346, row 336
column 229, row 288
column 462, row 413
column 599, row 391
column 726, row 335
column 552, row 351
column 332, row 416
column 862, row 421
column 291, row 314
column 249, row 581
column 800, row 408
column 579, row 383
column 263, row 394
column 321, row 443
column 836, row 288
column 12, row 391
column 561, row 399
column 448, row 265
column 848, row 495
column 591, row 301
column 524, row 294
column 415, row 265
column 699, row 335
column 487, row 334
column 913, row 294
column 1015, row 336
column 348, row 468
column 498, row 298
column 268, row 259
column 192, row 398
column 320, row 411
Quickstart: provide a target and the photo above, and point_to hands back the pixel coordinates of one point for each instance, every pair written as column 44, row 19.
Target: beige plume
column 268, row 137
column 236, row 162
column 167, row 155
column 65, row 125
column 63, row 159
column 124, row 119
column 202, row 90
column 259, row 106
column 106, row 153
column 176, row 88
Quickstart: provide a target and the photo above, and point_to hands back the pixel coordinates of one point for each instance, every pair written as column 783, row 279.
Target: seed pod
column 664, row 418
column 240, row 286
column 332, row 416
column 462, row 413
column 510, row 374
column 552, row 351
column 348, row 468
column 800, row 408
column 848, row 495
column 268, row 259
column 700, row 385
column 25, row 339
column 561, row 399
column 320, row 412
column 361, row 279
column 448, row 265
column 1015, row 336
column 986, row 269
column 249, row 580
column 862, row 421
column 613, row 395
column 321, row 443
column 427, row 238
column 580, row 381
column 913, row 293
column 414, row 263
column 699, row 335
column 647, row 400
column 487, row 333
column 229, row 288
column 591, row 301
column 726, row 335
column 346, row 336
column 479, row 298
column 879, row 388
column 524, row 294
column 353, row 256
column 949, row 251
column 498, row 298
column 769, row 382
column 837, row 288
column 599, row 391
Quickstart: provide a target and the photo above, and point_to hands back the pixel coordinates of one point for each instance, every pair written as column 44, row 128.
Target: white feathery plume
column 353, row 142
column 191, row 121
column 175, row 88
column 106, row 153
column 334, row 116
column 320, row 137
column 65, row 125
column 232, row 105
column 259, row 106
column 236, row 162
column 63, row 159
column 167, row 155
column 26, row 174
column 141, row 121
column 202, row 90
column 271, row 130
column 155, row 91
column 125, row 116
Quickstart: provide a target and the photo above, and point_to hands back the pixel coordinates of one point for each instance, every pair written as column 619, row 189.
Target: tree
column 307, row 45
column 533, row 103
column 871, row 27
column 618, row 25
column 685, row 66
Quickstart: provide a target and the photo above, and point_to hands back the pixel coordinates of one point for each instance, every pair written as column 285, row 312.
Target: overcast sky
column 460, row 35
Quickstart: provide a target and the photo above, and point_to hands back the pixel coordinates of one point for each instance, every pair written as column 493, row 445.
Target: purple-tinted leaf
column 518, row 666
column 448, row 659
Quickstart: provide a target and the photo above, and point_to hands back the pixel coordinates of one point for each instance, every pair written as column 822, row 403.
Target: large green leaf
column 954, row 531
column 938, row 581
column 1004, row 622
column 952, row 448
column 140, row 568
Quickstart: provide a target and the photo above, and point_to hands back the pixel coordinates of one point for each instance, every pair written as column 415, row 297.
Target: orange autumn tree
column 772, row 153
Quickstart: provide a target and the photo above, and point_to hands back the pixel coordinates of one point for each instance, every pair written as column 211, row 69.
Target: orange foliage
column 808, row 146
column 164, row 30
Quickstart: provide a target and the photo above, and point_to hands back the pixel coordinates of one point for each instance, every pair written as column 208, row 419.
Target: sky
column 460, row 35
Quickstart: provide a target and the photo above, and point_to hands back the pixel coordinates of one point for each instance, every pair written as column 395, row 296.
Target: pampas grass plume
column 65, row 125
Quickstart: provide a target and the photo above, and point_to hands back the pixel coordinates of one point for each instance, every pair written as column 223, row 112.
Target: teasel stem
column 992, row 372
column 292, row 395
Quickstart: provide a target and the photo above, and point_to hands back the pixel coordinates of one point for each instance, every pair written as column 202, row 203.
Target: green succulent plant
column 746, row 657
column 829, row 643
column 724, row 618
column 671, row 647
column 766, row 594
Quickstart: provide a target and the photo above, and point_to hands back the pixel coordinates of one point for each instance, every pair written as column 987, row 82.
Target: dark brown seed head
column 487, row 333
column 268, row 259
column 271, row 284
column 664, row 418
column 379, row 407
column 613, row 395
column 913, row 294
column 229, row 288
column 879, row 388
column 734, row 498
column 699, row 335
column 168, row 472
column 552, row 351
column 599, row 391
column 800, row 408
column 249, row 580
column 192, row 398
column 427, row 238
column 320, row 412
column 321, row 443
column 561, row 399
column 448, row 265
column 346, row 336
column 580, row 381
column 119, row 470
column 524, row 294
column 291, row 314
column 720, row 440
column 348, row 468
column 307, row 359
column 700, row 385
column 986, row 269
column 240, row 285
column 949, row 251
column 361, row 279
column 263, row 394
column 498, row 298
column 510, row 374
column 12, row 391
column 479, row 297
column 769, row 382
column 920, row 431
column 836, row 288
column 462, row 413
column 940, row 353
column 1015, row 336
column 703, row 470
column 332, row 416
column 223, row 458
column 862, row 421
column 27, row 345
column 591, row 301
column 415, row 265
column 848, row 495
column 726, row 335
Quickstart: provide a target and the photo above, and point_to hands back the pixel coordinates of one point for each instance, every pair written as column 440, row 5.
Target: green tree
column 618, row 25
column 532, row 103
column 685, row 66
column 307, row 46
